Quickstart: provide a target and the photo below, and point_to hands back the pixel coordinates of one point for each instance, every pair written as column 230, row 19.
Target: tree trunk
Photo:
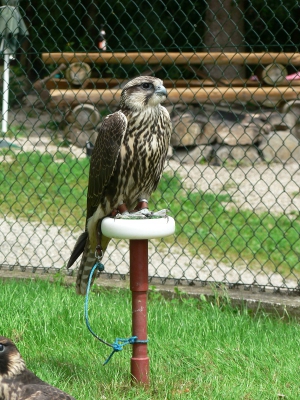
column 91, row 21
column 26, row 56
column 225, row 32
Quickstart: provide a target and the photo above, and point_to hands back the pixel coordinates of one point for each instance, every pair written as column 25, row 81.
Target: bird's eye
column 1, row 347
column 147, row 85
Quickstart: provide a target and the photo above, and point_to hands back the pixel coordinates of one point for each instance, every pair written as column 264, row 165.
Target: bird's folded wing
column 104, row 157
column 43, row 392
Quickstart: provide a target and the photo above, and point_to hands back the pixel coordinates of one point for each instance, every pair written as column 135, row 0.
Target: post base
column 140, row 370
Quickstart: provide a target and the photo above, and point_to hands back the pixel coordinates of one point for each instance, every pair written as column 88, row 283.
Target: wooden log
column 65, row 98
column 78, row 73
column 90, row 83
column 291, row 83
column 80, row 137
column 83, row 116
column 42, row 83
column 169, row 58
column 249, row 82
column 232, row 94
column 102, row 83
column 274, row 74
column 111, row 97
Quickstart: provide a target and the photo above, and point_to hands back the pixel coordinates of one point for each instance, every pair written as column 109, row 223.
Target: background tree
column 162, row 25
column 224, row 21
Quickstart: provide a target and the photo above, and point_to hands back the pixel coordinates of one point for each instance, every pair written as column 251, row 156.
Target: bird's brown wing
column 104, row 157
column 43, row 392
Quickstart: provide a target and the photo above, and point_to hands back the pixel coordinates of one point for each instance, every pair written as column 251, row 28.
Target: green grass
column 206, row 225
column 42, row 188
column 197, row 350
column 53, row 189
column 16, row 131
column 52, row 125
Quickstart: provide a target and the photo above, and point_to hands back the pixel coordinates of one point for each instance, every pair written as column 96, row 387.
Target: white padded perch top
column 138, row 228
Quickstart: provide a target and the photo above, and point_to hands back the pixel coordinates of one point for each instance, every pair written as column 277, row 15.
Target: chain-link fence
column 232, row 176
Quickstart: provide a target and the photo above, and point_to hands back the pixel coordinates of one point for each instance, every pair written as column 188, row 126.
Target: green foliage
column 272, row 25
column 16, row 87
column 52, row 125
column 16, row 131
column 156, row 25
column 160, row 25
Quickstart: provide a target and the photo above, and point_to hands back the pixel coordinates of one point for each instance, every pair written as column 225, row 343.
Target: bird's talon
column 142, row 211
column 161, row 213
column 130, row 216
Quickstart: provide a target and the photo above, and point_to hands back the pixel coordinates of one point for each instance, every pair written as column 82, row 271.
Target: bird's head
column 143, row 92
column 11, row 362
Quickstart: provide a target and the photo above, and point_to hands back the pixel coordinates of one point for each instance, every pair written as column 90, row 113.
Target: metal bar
column 5, row 93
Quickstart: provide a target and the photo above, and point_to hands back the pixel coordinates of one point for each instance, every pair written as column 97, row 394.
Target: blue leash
column 118, row 343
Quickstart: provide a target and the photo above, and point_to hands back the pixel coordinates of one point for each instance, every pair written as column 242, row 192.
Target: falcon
column 17, row 382
column 126, row 165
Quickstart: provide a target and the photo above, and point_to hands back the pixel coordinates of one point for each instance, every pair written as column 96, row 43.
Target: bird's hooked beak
column 161, row 91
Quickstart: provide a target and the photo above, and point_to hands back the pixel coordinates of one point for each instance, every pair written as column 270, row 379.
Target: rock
column 222, row 154
column 209, row 133
column 275, row 119
column 235, row 135
column 238, row 134
column 37, row 101
column 79, row 137
column 83, row 116
column 242, row 130
column 280, row 146
column 243, row 155
column 194, row 155
column 177, row 108
column 291, row 120
column 291, row 109
column 255, row 120
column 185, row 130
column 234, row 129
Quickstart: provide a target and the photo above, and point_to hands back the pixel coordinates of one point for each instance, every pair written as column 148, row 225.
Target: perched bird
column 17, row 382
column 126, row 166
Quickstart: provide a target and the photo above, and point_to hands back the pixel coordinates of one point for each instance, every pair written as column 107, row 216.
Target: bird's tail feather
column 87, row 262
column 78, row 248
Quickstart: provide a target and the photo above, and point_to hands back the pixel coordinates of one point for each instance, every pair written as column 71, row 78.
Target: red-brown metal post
column 139, row 288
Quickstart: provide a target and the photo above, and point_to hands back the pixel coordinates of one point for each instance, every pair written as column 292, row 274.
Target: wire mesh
column 232, row 176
